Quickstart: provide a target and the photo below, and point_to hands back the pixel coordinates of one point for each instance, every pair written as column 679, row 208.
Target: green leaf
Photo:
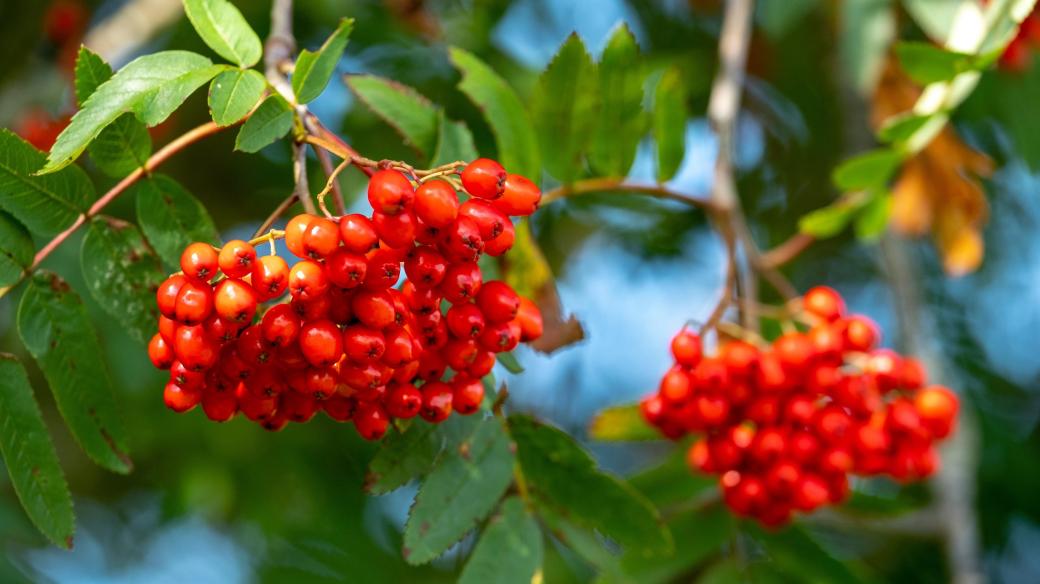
column 935, row 17
column 461, row 489
column 699, row 535
column 91, row 71
column 152, row 87
column 670, row 123
column 827, row 221
column 797, row 554
column 926, row 63
column 171, row 218
column 16, row 249
column 671, row 481
column 506, row 114
column 271, row 120
column 400, row 106
column 314, row 70
column 563, row 476
column 622, row 424
column 777, row 18
column 508, row 360
column 509, row 550
column 900, row 127
column 29, row 456
column 44, row 204
column 54, row 327
column 233, row 94
column 224, row 29
column 867, row 170
column 872, row 218
column 122, row 147
column 724, row 572
column 564, row 109
column 122, row 273
column 454, row 142
column 403, row 456
column 621, row 118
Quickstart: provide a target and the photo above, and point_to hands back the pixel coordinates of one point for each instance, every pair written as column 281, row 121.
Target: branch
column 608, row 185
column 330, row 171
column 723, row 107
column 164, row 153
column 786, row 251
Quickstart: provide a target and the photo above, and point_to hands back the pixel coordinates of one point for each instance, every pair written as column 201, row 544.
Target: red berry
column 462, row 241
column 436, row 203
column 320, row 239
column 362, row 344
column 295, row 232
column 860, row 334
column 219, row 407
column 937, row 407
column 235, row 301
column 236, row 258
column 307, row 280
column 400, row 347
column 160, row 352
column 437, row 398
column 530, row 319
column 371, row 421
column 484, row 178
column 467, row 394
column 297, row 407
column 200, row 261
column 686, row 348
column 384, row 269
column 461, row 282
column 465, row 320
column 166, row 295
column 345, row 268
column 181, row 399
column 520, row 196
column 500, row 337
column 396, row 230
column 357, row 233
column 403, row 401
column 503, row 242
column 374, row 308
column 390, row 192
column 490, row 221
column 194, row 348
column 280, row 325
column 321, row 343
column 425, row 267
column 339, row 408
column 270, row 277
column 498, row 301
column 824, row 303
column 676, row 387
column 194, row 303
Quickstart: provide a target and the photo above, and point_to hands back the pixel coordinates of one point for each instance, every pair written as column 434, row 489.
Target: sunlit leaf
column 872, row 218
column 827, row 221
column 400, row 106
column 505, row 113
column 402, row 457
column 233, row 94
column 564, row 108
column 926, row 63
column 224, row 29
column 622, row 121
column 670, row 112
column 29, row 456
column 54, row 326
column 271, row 121
column 314, row 69
column 152, row 87
column 870, row 169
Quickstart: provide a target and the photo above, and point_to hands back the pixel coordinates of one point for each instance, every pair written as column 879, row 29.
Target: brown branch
column 302, row 189
column 278, row 212
column 723, row 107
column 164, row 153
column 329, row 169
column 607, row 185
column 786, row 251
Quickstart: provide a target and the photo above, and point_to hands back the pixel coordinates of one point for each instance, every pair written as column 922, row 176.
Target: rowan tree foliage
column 199, row 227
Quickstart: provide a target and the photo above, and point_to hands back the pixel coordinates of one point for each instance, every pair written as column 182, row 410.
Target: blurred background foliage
column 231, row 503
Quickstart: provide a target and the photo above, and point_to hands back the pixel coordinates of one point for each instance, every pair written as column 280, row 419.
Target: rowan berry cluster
column 348, row 340
column 784, row 425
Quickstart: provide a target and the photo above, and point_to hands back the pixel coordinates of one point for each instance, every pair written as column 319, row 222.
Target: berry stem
column 326, row 166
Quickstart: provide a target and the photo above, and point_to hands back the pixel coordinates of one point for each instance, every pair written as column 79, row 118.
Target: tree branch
column 607, row 185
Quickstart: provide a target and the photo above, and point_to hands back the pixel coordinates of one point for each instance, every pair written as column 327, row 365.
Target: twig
column 786, row 251
column 326, row 166
column 164, row 153
column 278, row 211
column 607, row 185
column 723, row 107
column 302, row 190
column 330, row 184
